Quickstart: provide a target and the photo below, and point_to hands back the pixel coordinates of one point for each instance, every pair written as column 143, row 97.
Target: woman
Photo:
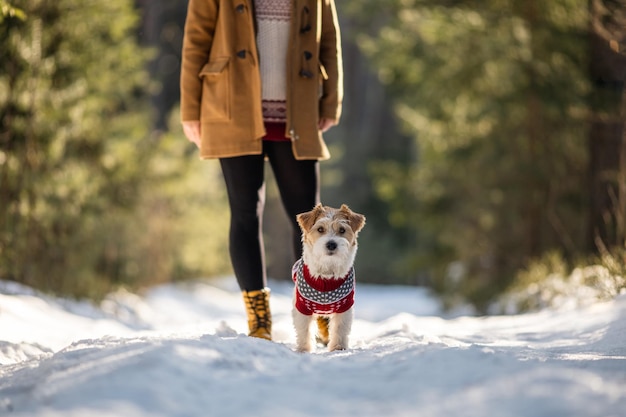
column 261, row 80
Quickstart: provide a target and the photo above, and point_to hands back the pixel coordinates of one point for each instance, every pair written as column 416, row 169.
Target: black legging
column 298, row 183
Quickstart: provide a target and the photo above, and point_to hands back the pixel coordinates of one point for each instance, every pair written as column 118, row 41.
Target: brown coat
column 221, row 81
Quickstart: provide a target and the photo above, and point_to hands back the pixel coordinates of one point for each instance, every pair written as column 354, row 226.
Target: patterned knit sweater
column 315, row 295
column 273, row 21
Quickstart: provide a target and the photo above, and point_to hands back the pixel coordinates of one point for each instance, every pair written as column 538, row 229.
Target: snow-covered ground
column 180, row 350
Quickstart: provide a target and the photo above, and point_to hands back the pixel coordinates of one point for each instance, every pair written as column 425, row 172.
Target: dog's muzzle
column 331, row 245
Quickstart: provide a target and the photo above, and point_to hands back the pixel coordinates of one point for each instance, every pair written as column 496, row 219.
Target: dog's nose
column 331, row 245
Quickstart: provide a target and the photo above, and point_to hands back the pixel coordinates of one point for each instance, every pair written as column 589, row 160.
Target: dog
column 324, row 276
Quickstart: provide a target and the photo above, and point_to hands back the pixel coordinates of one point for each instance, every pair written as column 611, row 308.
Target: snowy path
column 179, row 351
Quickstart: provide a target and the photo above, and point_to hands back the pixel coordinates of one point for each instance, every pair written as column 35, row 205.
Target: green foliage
column 87, row 201
column 61, row 94
column 186, row 204
column 494, row 93
column 6, row 10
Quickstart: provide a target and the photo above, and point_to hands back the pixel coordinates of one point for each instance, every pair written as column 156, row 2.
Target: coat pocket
column 215, row 77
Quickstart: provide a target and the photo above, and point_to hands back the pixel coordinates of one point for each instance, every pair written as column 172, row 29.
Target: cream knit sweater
column 273, row 20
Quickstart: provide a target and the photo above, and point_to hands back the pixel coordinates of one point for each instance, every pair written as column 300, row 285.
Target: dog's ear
column 356, row 220
column 307, row 220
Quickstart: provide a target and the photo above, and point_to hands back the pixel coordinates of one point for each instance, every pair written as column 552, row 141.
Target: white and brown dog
column 324, row 276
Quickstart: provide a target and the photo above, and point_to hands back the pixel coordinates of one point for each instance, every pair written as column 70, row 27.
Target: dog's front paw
column 337, row 346
column 303, row 348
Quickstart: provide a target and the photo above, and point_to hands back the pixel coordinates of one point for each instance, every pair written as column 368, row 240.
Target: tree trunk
column 607, row 145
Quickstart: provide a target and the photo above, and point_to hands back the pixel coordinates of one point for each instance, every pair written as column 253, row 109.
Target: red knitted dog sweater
column 315, row 295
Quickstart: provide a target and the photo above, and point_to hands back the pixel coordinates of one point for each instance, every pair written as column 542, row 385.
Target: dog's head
column 329, row 239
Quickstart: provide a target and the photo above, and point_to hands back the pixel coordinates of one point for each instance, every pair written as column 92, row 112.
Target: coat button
column 241, row 54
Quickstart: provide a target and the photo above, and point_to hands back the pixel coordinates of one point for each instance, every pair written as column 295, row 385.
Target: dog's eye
column 342, row 230
column 320, row 229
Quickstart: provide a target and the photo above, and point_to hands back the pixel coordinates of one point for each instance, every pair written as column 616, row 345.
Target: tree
column 495, row 94
column 607, row 144
column 161, row 28
column 70, row 123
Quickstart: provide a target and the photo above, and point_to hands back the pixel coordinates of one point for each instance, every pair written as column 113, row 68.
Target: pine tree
column 495, row 94
column 70, row 123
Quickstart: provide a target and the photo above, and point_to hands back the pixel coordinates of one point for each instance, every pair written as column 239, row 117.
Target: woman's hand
column 192, row 131
column 325, row 124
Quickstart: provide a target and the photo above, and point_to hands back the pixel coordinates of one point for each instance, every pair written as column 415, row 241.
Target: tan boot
column 322, row 330
column 259, row 316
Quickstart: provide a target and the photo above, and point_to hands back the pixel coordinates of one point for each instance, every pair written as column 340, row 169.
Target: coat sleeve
column 331, row 59
column 197, row 40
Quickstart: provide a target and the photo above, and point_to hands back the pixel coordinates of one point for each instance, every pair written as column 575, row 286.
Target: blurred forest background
column 483, row 139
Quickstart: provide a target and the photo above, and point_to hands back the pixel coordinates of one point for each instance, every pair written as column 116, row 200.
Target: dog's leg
column 339, row 329
column 322, row 330
column 302, row 324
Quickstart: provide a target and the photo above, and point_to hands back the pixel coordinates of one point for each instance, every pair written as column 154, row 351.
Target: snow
column 180, row 350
